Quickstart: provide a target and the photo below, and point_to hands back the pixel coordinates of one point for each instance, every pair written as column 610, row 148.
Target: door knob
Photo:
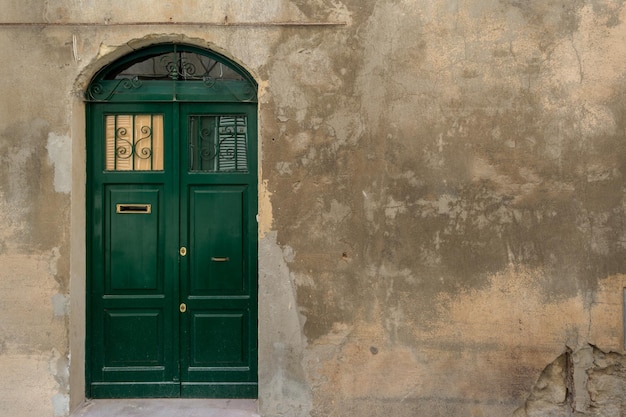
column 183, row 251
column 183, row 307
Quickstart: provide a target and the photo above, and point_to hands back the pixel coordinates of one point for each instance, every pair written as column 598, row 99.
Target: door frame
column 182, row 95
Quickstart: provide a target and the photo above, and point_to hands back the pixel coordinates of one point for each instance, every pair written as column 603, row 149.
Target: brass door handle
column 183, row 307
column 183, row 251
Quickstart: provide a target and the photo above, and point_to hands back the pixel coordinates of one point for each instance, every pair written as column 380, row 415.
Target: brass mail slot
column 133, row 208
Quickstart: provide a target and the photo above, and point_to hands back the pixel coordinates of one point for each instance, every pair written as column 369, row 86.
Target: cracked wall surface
column 441, row 206
column 585, row 382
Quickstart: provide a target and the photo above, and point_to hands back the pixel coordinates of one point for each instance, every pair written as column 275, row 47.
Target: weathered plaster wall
column 34, row 221
column 442, row 200
column 449, row 177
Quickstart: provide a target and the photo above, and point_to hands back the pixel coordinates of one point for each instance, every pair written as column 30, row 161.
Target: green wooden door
column 172, row 256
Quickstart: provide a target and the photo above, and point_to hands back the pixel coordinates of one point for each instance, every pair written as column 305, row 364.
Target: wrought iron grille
column 177, row 65
column 218, row 143
column 173, row 72
column 134, row 142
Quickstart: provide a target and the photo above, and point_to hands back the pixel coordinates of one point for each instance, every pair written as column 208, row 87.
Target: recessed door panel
column 134, row 252
column 133, row 338
column 216, row 236
column 218, row 338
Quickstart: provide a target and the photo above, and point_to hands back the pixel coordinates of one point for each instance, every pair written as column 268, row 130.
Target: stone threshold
column 166, row 407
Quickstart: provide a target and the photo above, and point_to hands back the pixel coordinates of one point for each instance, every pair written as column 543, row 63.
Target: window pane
column 134, row 142
column 218, row 143
column 183, row 66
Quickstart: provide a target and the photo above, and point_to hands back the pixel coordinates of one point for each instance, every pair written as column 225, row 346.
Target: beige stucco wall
column 442, row 200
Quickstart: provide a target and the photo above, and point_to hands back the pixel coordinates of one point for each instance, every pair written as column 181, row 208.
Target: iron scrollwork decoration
column 184, row 67
column 131, row 148
column 178, row 67
column 99, row 92
column 221, row 144
column 215, row 76
column 134, row 142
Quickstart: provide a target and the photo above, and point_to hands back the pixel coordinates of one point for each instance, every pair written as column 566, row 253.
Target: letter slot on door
column 133, row 208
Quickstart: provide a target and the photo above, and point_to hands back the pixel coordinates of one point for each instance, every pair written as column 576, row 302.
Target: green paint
column 139, row 343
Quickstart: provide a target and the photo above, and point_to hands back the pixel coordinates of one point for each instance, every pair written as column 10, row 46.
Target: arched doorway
column 171, row 227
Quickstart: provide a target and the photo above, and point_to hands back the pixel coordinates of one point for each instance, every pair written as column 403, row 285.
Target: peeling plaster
column 60, row 305
column 285, row 392
column 265, row 209
column 60, row 156
column 61, row 405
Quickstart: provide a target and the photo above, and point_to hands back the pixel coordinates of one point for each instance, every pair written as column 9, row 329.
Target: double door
column 172, row 255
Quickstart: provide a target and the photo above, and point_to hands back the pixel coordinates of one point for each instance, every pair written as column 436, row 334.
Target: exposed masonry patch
column 585, row 381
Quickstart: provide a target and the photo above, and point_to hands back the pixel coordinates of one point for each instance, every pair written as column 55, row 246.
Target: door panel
column 132, row 314
column 134, row 274
column 135, row 260
column 218, row 339
column 218, row 322
column 133, row 254
column 218, row 277
column 133, row 338
column 216, row 236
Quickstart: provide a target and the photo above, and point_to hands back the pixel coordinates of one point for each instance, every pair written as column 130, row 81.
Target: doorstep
column 167, row 407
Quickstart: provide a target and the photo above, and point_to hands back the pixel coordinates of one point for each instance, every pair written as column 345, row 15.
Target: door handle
column 183, row 307
column 219, row 259
column 183, row 251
